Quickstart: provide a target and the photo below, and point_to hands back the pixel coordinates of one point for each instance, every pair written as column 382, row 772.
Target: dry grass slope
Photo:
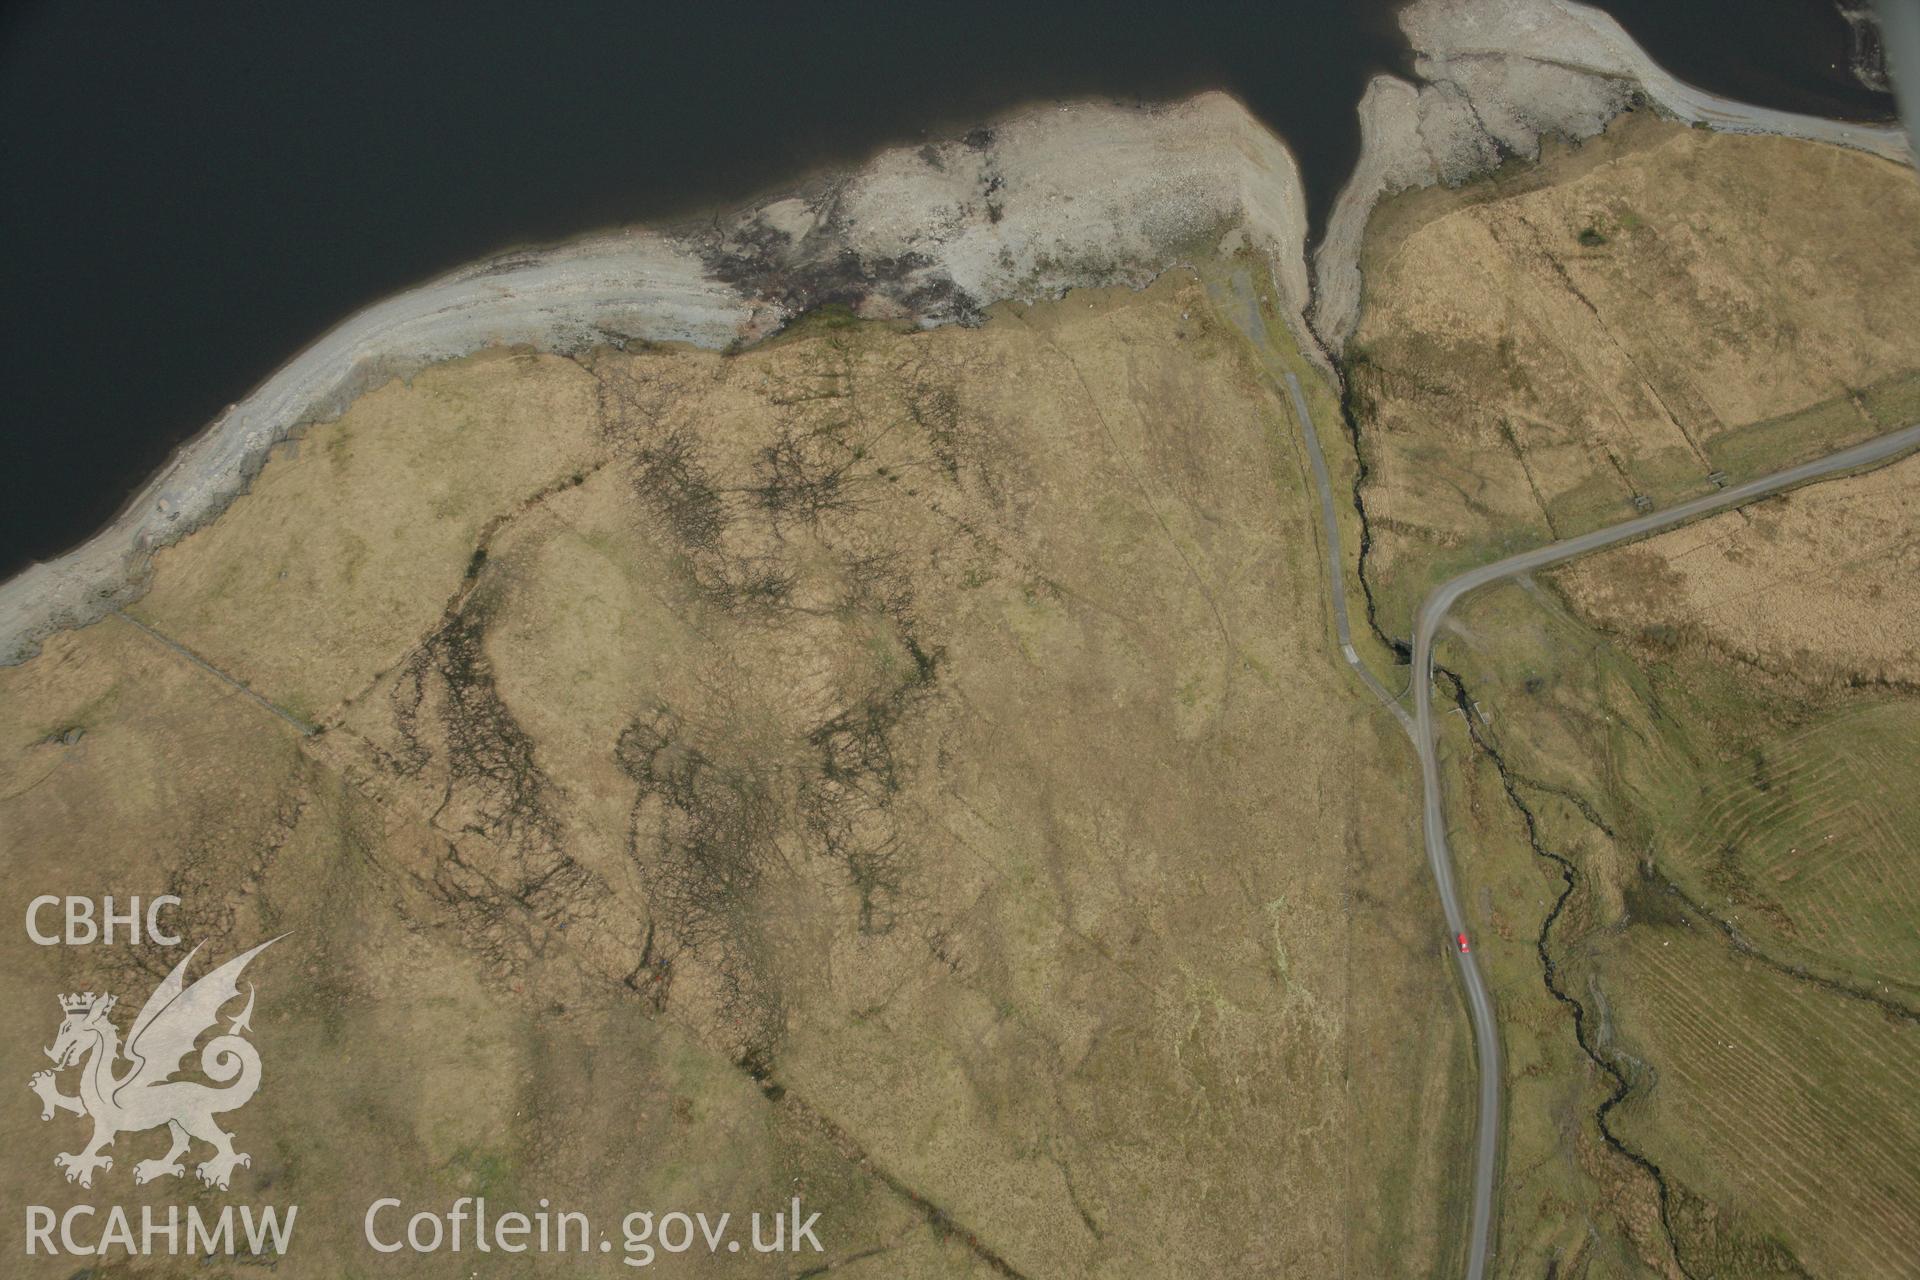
column 910, row 768
column 1623, row 320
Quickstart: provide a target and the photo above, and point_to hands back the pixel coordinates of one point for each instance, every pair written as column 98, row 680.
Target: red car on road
column 1462, row 939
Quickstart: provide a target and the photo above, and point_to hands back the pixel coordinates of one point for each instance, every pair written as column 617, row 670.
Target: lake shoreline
column 1030, row 205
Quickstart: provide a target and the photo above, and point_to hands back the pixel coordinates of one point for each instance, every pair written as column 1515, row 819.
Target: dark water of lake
column 192, row 192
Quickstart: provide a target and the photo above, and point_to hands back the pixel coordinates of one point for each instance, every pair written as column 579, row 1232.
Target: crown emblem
column 82, row 1002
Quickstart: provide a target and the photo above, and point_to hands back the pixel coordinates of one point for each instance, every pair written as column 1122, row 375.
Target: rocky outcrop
column 1056, row 198
column 1035, row 204
column 1497, row 76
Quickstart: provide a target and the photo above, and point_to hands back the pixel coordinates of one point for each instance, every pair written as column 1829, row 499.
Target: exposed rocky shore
column 1029, row 206
column 1497, row 76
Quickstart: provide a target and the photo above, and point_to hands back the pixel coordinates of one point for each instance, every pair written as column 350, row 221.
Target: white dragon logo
column 145, row 1096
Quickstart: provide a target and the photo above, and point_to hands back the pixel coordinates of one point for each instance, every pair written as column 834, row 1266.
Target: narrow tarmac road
column 1419, row 727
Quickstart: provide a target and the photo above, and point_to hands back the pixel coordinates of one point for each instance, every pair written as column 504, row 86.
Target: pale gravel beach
column 1047, row 200
column 1041, row 202
column 634, row 285
column 1498, row 76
